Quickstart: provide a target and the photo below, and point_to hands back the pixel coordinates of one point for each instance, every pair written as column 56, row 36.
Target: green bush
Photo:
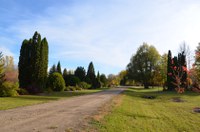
column 84, row 85
column 73, row 88
column 70, row 88
column 78, row 88
column 22, row 91
column 56, row 82
column 9, row 89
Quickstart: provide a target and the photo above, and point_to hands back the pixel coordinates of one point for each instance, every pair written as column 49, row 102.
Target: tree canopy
column 143, row 63
column 1, row 69
column 80, row 73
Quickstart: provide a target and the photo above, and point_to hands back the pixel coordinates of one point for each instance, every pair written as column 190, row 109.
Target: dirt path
column 57, row 116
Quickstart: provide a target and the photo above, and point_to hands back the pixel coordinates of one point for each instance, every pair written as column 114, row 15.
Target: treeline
column 148, row 68
column 80, row 79
column 33, row 75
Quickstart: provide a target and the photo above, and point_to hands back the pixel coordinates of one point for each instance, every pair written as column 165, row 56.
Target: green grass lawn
column 24, row 100
column 162, row 114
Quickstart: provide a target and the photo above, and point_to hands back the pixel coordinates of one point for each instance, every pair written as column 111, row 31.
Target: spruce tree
column 169, row 71
column 64, row 72
column 91, row 74
column 98, row 76
column 58, row 68
column 80, row 73
column 98, row 82
column 65, row 76
column 52, row 69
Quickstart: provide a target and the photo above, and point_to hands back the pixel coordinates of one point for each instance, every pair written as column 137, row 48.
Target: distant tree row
column 80, row 77
column 34, row 77
column 148, row 68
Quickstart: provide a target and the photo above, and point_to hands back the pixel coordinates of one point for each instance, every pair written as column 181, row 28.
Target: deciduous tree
column 1, row 69
column 143, row 63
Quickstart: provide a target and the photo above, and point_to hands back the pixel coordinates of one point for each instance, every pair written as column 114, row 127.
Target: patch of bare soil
column 177, row 99
column 196, row 109
column 66, row 115
column 148, row 96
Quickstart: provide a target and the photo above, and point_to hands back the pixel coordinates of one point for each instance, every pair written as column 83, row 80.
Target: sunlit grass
column 137, row 114
column 24, row 100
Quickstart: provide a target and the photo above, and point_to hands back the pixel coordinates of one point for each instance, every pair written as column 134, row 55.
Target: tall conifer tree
column 169, row 71
column 33, row 63
column 59, row 68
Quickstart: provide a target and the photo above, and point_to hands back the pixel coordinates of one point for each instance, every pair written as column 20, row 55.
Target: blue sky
column 106, row 32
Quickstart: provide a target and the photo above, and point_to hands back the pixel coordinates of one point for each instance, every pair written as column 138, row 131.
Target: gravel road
column 56, row 116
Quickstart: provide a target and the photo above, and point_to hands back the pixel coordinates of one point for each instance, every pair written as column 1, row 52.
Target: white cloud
column 5, row 51
column 110, row 32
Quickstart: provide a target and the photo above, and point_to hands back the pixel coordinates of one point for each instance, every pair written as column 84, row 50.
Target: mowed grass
column 24, row 100
column 162, row 114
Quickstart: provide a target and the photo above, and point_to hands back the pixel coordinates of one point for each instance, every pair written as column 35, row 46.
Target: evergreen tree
column 33, row 63
column 65, row 76
column 59, row 68
column 169, row 71
column 24, row 66
column 64, row 73
column 176, row 71
column 98, row 76
column 80, row 73
column 104, row 80
column 183, row 69
column 1, row 70
column 52, row 69
column 43, row 66
column 91, row 77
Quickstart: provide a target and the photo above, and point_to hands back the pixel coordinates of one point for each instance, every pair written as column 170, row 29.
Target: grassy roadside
column 137, row 114
column 13, row 102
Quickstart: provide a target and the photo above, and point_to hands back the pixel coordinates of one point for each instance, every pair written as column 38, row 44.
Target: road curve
column 56, row 116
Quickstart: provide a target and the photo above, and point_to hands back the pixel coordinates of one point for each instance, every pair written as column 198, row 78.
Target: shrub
column 22, row 91
column 9, row 89
column 56, row 82
column 70, row 88
column 78, row 88
column 84, row 85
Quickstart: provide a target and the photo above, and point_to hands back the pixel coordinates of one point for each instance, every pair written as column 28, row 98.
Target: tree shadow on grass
column 39, row 98
column 135, row 116
column 158, row 95
column 52, row 95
